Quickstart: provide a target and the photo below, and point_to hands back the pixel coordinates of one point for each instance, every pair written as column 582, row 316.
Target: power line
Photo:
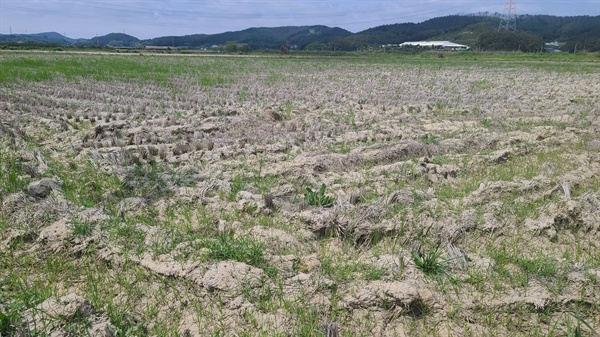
column 509, row 16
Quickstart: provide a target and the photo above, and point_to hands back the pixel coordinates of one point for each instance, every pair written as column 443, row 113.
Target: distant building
column 446, row 45
column 160, row 48
column 554, row 47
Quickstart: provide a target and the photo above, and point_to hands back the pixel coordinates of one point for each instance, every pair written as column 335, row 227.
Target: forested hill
column 469, row 30
column 398, row 33
column 257, row 38
column 477, row 31
column 581, row 31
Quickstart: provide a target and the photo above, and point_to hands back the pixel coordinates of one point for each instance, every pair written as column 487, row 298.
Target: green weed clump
column 318, row 198
column 576, row 330
column 431, row 262
column 5, row 324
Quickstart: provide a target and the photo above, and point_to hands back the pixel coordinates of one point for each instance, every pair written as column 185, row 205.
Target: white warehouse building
column 447, row 45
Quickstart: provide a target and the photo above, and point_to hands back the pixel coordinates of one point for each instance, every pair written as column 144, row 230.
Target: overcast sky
column 154, row 18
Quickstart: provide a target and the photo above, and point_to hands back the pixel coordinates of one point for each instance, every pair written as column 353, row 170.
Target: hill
column 581, row 32
column 114, row 40
column 399, row 33
column 53, row 36
column 467, row 29
column 477, row 31
column 257, row 38
column 402, row 32
column 39, row 38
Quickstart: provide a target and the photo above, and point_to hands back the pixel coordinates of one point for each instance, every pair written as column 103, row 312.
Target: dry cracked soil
column 281, row 196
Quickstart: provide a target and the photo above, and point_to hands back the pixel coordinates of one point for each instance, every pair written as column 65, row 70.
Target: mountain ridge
column 572, row 31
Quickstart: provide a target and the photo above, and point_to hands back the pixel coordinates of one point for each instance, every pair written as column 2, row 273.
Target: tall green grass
column 32, row 67
column 216, row 70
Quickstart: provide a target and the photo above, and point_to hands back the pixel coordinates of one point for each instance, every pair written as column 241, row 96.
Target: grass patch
column 32, row 67
column 85, row 185
column 80, row 228
column 343, row 148
column 238, row 184
column 127, row 234
column 519, row 269
column 227, row 246
column 449, row 190
column 481, row 85
column 372, row 273
column 11, row 174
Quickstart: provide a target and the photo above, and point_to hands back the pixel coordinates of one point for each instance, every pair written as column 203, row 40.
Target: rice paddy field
column 304, row 195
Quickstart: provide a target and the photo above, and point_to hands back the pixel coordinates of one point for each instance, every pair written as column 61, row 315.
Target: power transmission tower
column 509, row 16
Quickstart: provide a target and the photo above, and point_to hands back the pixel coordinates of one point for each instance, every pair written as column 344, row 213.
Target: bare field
column 271, row 196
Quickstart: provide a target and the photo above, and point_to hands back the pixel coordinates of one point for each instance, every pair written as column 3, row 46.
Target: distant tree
column 582, row 45
column 342, row 43
column 510, row 41
column 317, row 46
column 351, row 43
column 284, row 49
column 231, row 47
column 115, row 44
column 245, row 48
